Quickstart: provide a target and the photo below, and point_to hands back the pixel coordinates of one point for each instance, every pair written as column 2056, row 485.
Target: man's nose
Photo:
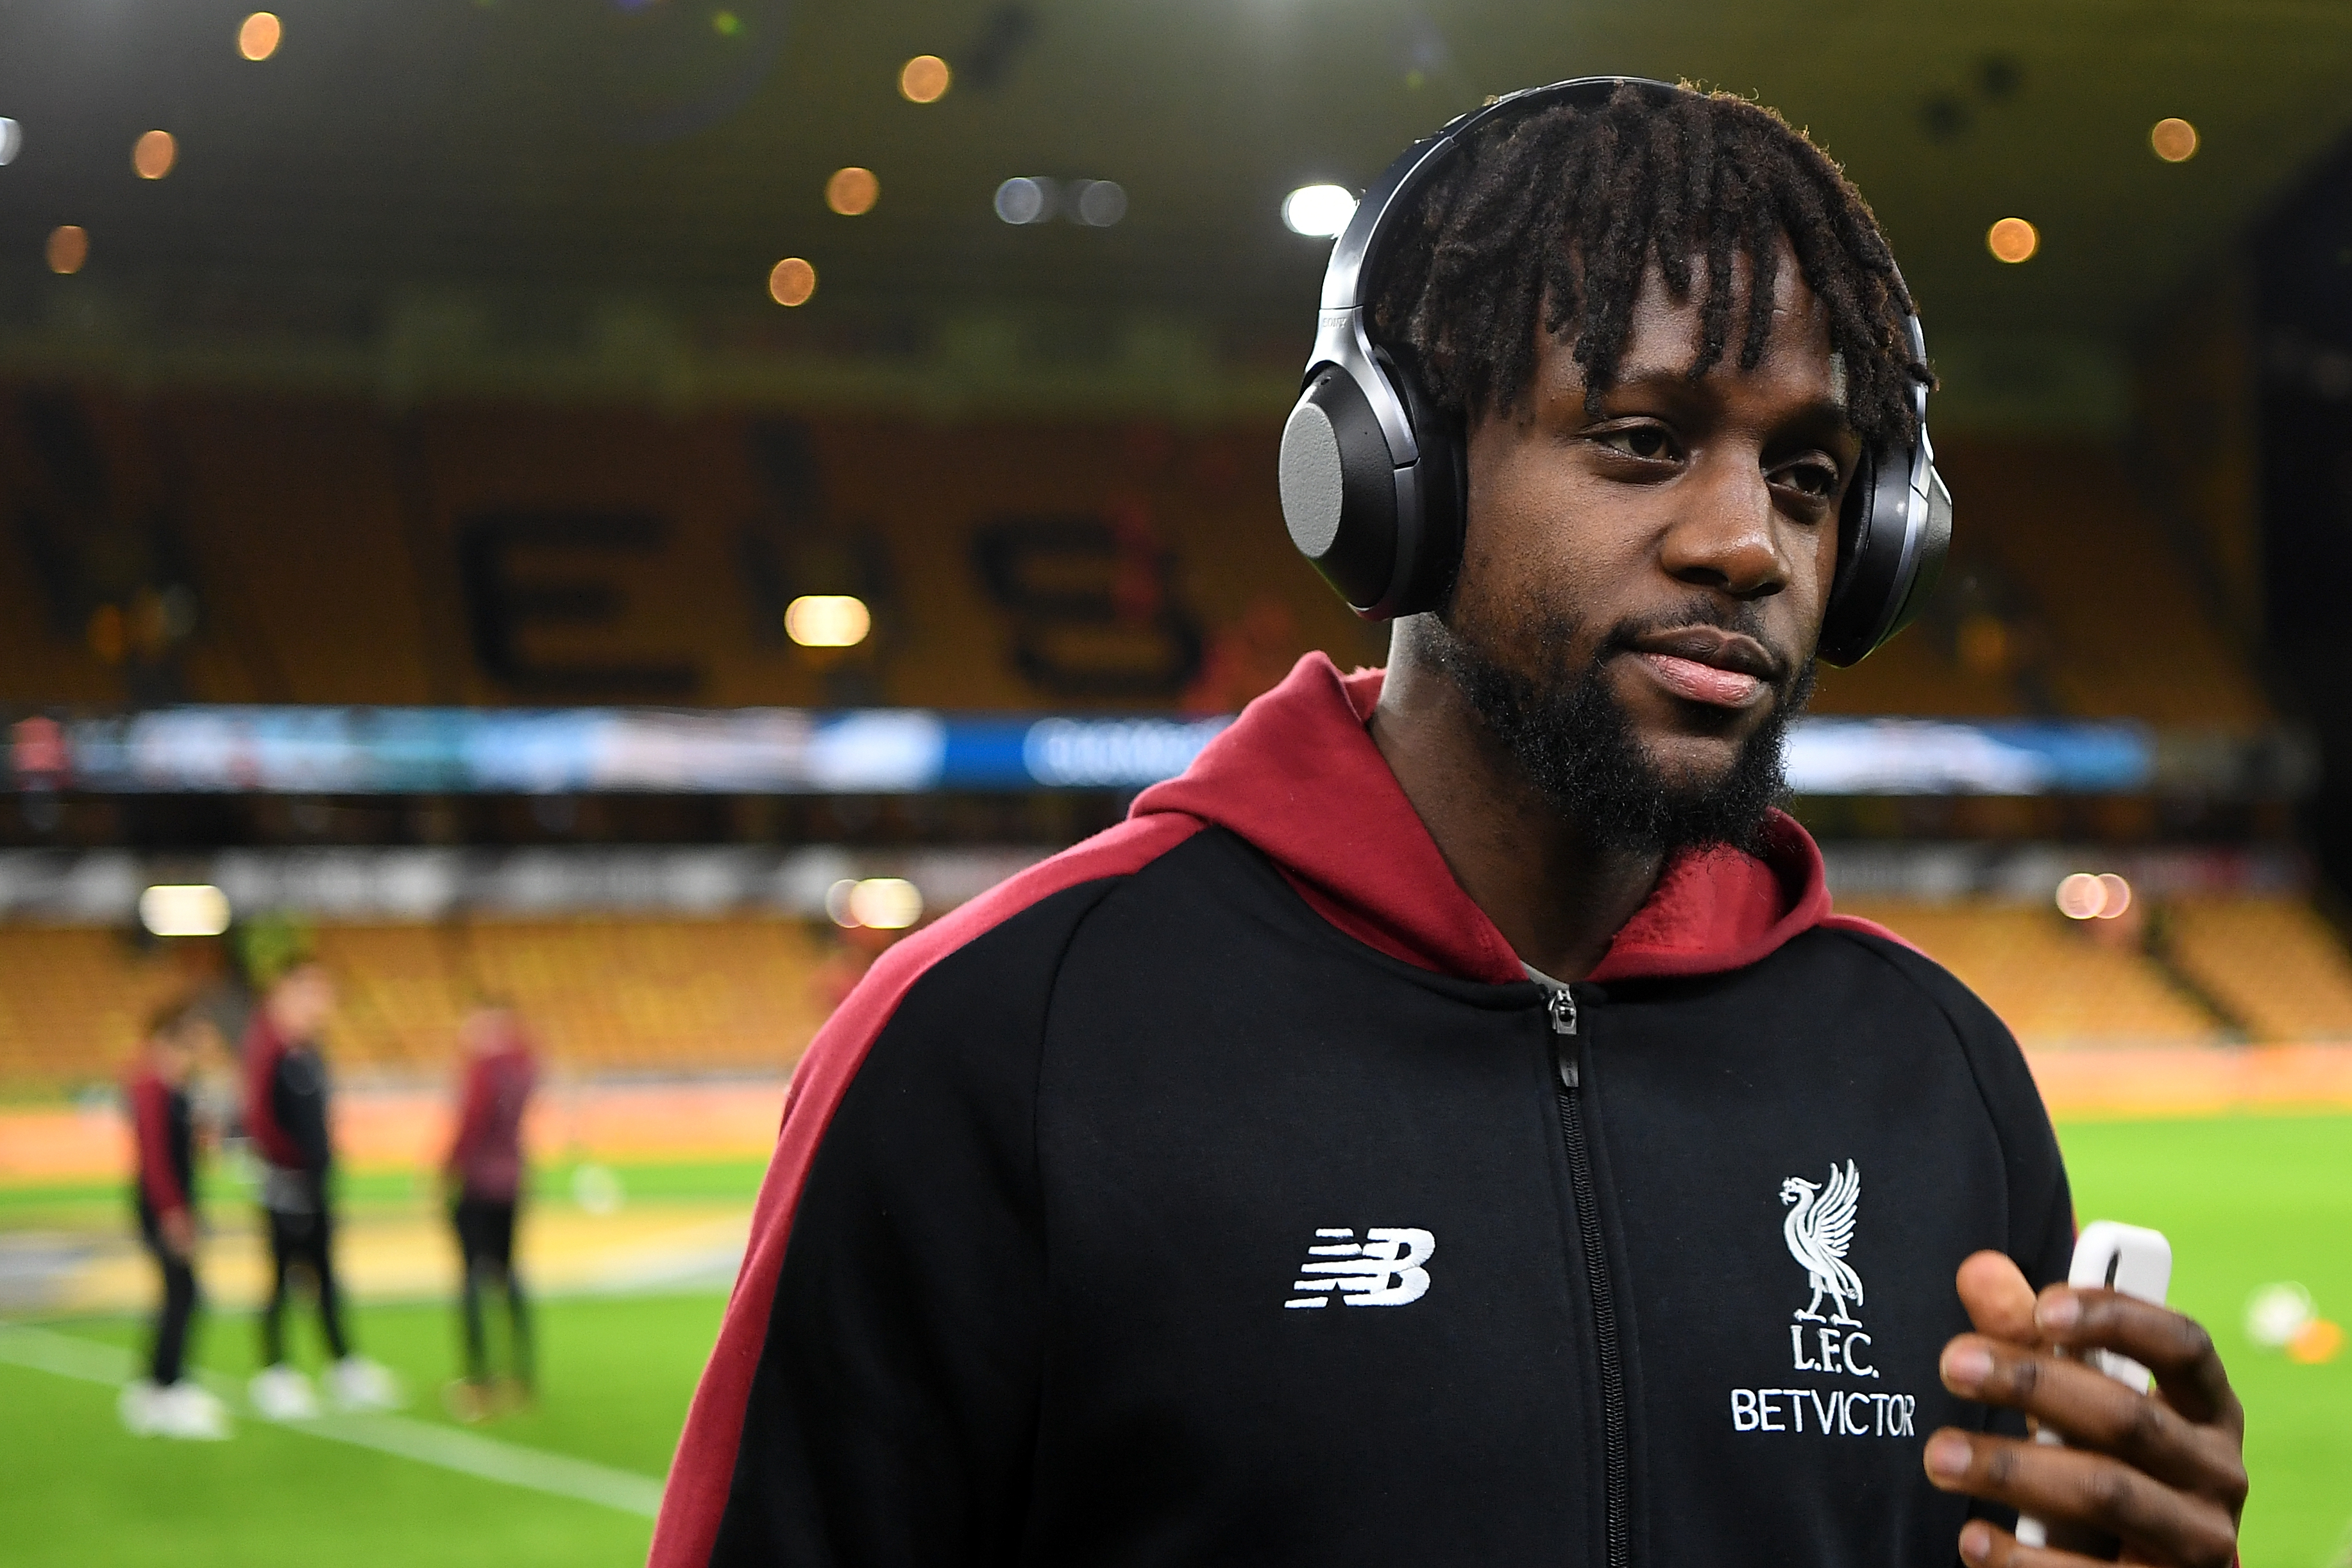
column 1725, row 537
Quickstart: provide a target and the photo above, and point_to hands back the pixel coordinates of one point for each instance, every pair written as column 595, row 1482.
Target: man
column 164, row 1197
column 286, row 1115
column 1447, row 1125
column 483, row 1176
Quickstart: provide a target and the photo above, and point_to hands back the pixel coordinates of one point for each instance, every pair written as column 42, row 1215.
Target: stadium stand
column 501, row 554
column 2274, row 964
column 626, row 994
column 2012, row 632
column 602, row 996
column 2051, row 981
column 75, row 1000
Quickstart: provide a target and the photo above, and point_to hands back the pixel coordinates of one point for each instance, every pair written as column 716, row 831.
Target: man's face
column 1643, row 585
column 174, row 1054
column 303, row 1001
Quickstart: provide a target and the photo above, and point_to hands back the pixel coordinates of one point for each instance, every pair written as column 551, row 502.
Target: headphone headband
column 1400, row 183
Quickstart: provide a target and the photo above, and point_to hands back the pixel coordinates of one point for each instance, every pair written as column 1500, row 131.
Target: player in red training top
column 156, row 1087
column 483, row 1176
column 286, row 1116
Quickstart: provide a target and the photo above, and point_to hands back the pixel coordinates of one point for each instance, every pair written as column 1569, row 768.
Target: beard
column 1575, row 741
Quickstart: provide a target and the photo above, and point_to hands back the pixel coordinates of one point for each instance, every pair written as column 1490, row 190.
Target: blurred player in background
column 286, row 1116
column 483, row 1177
column 164, row 1192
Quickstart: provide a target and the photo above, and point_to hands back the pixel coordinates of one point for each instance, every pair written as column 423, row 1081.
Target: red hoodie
column 1347, row 838
column 486, row 1150
column 163, row 1144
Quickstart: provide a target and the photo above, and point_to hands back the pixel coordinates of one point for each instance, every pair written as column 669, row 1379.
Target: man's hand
column 2164, row 1473
column 179, row 1233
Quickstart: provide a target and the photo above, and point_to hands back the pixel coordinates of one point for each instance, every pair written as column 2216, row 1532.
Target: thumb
column 1999, row 1300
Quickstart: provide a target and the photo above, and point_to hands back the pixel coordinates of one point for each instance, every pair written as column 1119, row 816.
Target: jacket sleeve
column 150, row 1123
column 2041, row 1203
column 873, row 1396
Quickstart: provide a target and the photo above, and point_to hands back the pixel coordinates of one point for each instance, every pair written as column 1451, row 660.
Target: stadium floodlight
column 1318, row 212
column 183, row 909
column 827, row 621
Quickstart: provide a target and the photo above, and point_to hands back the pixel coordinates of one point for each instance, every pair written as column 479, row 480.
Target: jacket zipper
column 1616, row 1520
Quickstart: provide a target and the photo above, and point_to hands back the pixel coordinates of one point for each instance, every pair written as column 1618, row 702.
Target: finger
column 2096, row 1412
column 1984, row 1545
column 2079, row 1488
column 2173, row 1346
column 1999, row 1300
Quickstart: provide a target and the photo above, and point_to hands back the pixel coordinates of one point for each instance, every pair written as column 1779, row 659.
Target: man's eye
column 1817, row 480
column 1646, row 442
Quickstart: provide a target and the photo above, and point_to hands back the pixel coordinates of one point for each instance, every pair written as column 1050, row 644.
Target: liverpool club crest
column 1819, row 1228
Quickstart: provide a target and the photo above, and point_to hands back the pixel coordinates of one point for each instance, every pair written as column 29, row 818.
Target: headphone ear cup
column 1891, row 539
column 1339, row 489
column 1439, row 512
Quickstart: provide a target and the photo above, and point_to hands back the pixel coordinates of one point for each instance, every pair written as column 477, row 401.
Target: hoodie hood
column 1298, row 775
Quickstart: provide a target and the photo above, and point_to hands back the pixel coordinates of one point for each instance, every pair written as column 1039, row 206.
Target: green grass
column 2246, row 1201
column 617, row 1376
column 84, row 1204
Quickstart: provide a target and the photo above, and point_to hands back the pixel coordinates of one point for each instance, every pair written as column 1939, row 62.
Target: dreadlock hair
column 1560, row 214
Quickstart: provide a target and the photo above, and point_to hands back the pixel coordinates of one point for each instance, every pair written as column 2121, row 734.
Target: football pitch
column 2247, row 1201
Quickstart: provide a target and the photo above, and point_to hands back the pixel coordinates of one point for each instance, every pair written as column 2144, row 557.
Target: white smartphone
column 2130, row 1260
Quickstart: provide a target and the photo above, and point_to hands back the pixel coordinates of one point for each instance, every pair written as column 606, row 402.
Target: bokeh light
column 2116, row 896
column 68, row 248
column 258, row 36
column 153, row 154
column 852, row 190
column 2086, row 895
column 883, row 903
column 1100, row 203
column 2175, row 141
column 1023, row 200
column 1318, row 212
column 2012, row 240
column 924, row 79
column 2080, row 896
column 791, row 281
column 190, row 909
column 827, row 621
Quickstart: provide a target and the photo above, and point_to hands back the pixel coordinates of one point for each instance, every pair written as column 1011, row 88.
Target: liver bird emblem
column 1819, row 1228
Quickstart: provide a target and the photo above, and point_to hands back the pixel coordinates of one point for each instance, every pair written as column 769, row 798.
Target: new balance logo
column 1384, row 1269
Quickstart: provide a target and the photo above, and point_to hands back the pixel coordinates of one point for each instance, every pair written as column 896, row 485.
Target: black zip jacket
column 1224, row 1191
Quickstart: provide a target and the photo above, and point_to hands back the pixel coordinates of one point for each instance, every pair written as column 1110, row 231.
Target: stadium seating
column 74, row 1001
column 2051, row 981
column 602, row 996
column 2273, row 963
column 742, row 993
column 327, row 544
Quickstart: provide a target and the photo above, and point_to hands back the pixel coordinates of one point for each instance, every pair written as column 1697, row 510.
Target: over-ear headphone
column 1374, row 487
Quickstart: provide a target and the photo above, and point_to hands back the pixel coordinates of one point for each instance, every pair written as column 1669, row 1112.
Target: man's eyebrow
column 1830, row 411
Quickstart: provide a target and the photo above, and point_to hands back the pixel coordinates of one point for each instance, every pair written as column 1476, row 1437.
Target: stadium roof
column 408, row 190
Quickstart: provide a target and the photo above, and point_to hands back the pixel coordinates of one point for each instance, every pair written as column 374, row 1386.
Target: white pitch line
column 468, row 1453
